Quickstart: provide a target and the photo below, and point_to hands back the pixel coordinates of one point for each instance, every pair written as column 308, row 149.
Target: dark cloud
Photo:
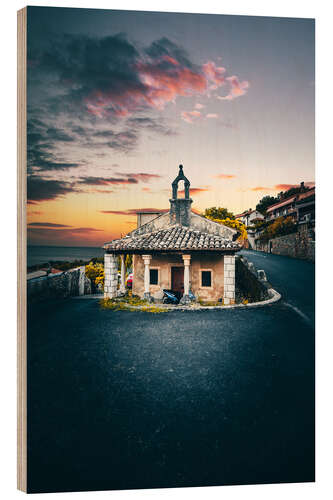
column 46, row 224
column 150, row 124
column 84, row 66
column 164, row 49
column 79, row 235
column 141, row 177
column 130, row 178
column 41, row 141
column 55, row 134
column 68, row 231
column 124, row 141
column 85, row 229
column 40, row 189
column 134, row 211
column 97, row 94
column 109, row 77
column 44, row 189
column 104, row 191
column 105, row 181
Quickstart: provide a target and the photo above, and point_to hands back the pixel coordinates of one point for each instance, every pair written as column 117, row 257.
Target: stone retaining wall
column 66, row 284
column 297, row 245
column 248, row 285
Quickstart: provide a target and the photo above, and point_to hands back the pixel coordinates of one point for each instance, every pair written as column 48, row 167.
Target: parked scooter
column 171, row 297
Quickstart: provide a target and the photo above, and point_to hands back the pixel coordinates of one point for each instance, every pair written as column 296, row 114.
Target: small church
column 178, row 250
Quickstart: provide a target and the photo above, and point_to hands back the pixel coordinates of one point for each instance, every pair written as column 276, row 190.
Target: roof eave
column 140, row 251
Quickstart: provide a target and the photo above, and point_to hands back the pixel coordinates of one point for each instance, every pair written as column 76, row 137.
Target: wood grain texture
column 21, row 249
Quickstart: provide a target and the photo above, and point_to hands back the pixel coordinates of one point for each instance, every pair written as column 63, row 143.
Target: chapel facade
column 178, row 250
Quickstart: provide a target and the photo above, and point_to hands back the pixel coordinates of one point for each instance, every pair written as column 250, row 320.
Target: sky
column 118, row 99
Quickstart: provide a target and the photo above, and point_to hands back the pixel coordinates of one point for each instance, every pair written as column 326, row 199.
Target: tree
column 279, row 227
column 266, row 202
column 234, row 224
column 95, row 272
column 294, row 190
column 218, row 213
column 128, row 262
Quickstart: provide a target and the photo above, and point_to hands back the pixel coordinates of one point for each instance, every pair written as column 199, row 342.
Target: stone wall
column 296, row 245
column 248, row 286
column 66, row 284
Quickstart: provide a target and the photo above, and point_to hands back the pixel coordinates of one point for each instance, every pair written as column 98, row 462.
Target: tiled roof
column 173, row 238
column 281, row 204
column 307, row 194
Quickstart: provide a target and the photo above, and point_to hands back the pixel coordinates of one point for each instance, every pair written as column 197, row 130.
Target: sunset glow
column 114, row 108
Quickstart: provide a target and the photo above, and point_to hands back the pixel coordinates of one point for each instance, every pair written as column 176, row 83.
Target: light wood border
column 21, row 249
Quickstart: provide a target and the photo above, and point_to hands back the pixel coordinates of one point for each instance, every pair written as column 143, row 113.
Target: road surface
column 135, row 400
column 293, row 278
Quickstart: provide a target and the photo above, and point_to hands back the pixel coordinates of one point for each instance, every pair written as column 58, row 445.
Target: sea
column 44, row 254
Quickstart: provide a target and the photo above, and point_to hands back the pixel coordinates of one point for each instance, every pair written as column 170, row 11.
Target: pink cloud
column 285, row 187
column 212, row 115
column 225, row 176
column 262, row 188
column 214, row 74
column 190, row 116
column 280, row 187
column 161, row 81
column 194, row 191
column 236, row 88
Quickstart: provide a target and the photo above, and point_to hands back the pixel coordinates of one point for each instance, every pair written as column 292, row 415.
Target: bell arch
column 181, row 177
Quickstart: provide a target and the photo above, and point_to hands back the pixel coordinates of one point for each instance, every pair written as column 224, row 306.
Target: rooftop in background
column 302, row 192
column 307, row 194
column 281, row 203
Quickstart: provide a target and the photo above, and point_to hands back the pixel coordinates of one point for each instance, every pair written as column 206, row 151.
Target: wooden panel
column 21, row 250
column 177, row 279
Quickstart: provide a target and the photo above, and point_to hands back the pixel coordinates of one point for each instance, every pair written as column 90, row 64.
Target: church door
column 177, row 279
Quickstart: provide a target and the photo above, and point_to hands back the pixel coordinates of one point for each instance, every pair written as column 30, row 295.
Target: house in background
column 178, row 250
column 300, row 206
column 283, row 208
column 305, row 206
column 144, row 216
column 249, row 217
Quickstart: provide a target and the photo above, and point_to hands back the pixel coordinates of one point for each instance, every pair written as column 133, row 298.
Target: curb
column 275, row 297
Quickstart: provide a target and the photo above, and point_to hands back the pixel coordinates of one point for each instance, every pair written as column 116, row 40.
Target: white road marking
column 298, row 311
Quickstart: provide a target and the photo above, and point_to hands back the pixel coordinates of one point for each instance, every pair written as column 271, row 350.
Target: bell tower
column 180, row 208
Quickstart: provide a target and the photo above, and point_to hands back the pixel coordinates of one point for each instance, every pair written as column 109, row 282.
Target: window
column 206, row 278
column 154, row 276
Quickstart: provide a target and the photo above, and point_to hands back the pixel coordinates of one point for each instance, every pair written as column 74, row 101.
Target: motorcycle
column 171, row 297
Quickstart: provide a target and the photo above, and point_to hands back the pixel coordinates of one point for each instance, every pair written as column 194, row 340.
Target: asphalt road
column 293, row 278
column 121, row 400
